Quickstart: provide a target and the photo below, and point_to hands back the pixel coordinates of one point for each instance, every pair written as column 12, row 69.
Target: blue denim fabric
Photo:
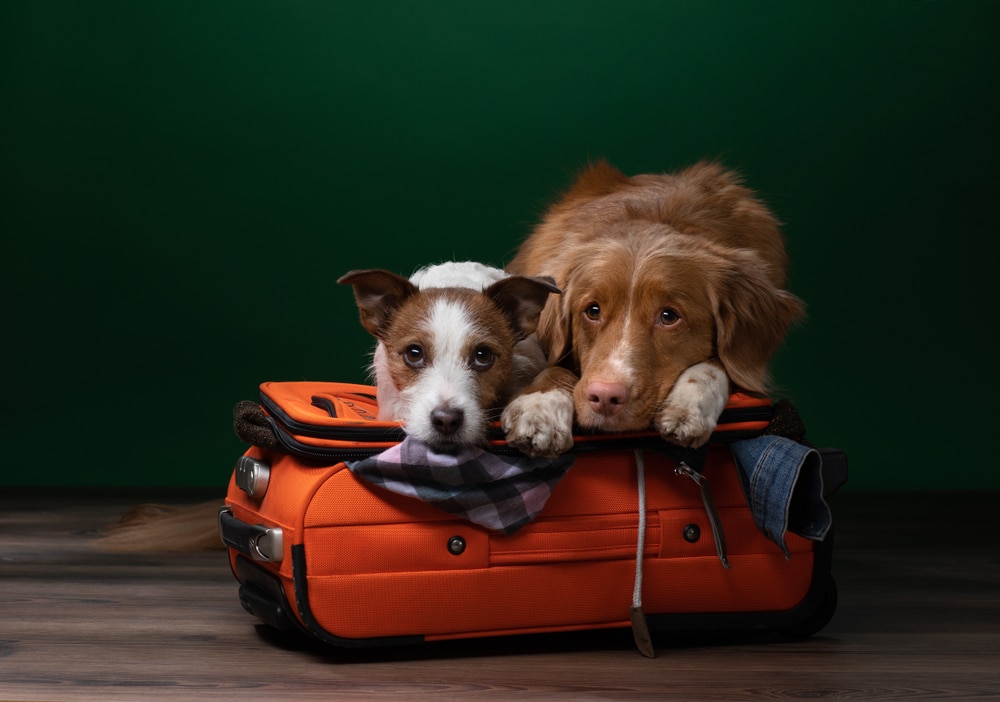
column 785, row 492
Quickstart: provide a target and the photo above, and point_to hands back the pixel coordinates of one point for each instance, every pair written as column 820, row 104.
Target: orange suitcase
column 319, row 547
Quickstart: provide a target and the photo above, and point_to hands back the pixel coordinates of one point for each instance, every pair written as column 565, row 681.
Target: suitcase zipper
column 338, row 433
column 287, row 429
column 355, row 433
column 326, row 455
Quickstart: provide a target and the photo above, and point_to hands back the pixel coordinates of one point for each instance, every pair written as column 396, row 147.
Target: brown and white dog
column 673, row 294
column 454, row 343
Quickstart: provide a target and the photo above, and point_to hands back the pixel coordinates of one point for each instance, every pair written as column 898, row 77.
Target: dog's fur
column 673, row 294
column 454, row 343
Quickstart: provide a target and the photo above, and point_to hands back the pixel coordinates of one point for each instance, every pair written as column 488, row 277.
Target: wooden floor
column 919, row 618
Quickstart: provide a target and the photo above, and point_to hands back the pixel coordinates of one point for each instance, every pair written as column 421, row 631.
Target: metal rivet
column 456, row 545
column 692, row 532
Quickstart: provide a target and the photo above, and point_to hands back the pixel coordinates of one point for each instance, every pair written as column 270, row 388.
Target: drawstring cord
column 639, row 627
column 641, row 539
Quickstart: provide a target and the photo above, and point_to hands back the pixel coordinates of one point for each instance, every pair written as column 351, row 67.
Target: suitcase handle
column 257, row 541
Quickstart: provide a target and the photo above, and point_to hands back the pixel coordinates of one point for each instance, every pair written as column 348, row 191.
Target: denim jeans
column 785, row 487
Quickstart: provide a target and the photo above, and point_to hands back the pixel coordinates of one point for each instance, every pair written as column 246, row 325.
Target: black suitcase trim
column 263, row 596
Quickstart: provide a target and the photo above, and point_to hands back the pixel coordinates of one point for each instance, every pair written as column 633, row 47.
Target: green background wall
column 183, row 182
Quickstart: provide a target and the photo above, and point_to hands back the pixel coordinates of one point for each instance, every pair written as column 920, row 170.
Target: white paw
column 540, row 423
column 691, row 411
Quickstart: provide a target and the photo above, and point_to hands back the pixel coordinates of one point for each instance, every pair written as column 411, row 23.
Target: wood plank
column 919, row 618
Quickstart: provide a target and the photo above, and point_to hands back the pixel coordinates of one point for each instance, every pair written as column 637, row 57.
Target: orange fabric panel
column 758, row 582
column 453, row 602
column 355, row 404
column 593, row 538
column 346, row 500
column 394, row 548
column 741, row 534
column 551, row 597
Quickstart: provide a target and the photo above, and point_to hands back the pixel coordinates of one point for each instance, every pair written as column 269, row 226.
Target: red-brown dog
column 673, row 294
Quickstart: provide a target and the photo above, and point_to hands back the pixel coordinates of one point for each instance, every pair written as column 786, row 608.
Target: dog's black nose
column 447, row 421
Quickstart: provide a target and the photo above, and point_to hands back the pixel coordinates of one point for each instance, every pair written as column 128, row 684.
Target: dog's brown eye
column 482, row 358
column 414, row 356
column 669, row 317
column 593, row 312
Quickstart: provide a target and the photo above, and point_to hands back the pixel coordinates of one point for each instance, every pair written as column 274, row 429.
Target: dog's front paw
column 540, row 423
column 691, row 410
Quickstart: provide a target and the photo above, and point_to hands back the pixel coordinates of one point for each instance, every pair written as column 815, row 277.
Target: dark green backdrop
column 183, row 182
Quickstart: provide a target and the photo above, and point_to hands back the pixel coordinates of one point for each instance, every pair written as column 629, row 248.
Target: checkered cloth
column 499, row 492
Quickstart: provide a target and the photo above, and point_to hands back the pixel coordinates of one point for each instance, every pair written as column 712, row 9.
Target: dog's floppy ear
column 554, row 331
column 521, row 298
column 378, row 294
column 752, row 318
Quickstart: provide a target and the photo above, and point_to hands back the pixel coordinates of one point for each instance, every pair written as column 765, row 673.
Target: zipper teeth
column 286, row 428
column 337, row 454
column 313, row 453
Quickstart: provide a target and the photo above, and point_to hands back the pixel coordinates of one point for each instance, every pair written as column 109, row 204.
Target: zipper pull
column 713, row 515
column 684, row 469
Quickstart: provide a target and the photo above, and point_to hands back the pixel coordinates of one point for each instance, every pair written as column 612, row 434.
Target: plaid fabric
column 502, row 493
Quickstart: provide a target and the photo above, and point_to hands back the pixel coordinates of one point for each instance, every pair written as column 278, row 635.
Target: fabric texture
column 499, row 492
column 785, row 487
